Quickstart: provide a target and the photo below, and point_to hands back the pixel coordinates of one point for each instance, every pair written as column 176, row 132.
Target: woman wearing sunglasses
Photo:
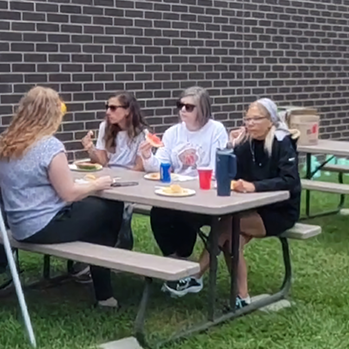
column 188, row 145
column 119, row 135
column 267, row 161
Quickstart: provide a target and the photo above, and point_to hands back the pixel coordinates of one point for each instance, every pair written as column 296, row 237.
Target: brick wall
column 294, row 52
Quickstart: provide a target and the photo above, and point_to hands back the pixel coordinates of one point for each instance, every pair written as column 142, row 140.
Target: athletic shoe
column 181, row 287
column 81, row 273
column 242, row 302
column 108, row 303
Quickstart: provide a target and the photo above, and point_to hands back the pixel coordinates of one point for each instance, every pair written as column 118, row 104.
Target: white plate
column 186, row 192
column 86, row 181
column 174, row 177
column 81, row 181
column 151, row 177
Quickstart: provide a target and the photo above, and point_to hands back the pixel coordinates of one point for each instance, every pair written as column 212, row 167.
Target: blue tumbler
column 226, row 169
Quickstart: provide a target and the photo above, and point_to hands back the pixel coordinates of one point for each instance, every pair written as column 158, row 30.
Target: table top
column 327, row 147
column 203, row 202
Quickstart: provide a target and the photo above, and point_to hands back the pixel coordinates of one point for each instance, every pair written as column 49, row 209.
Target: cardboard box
column 305, row 120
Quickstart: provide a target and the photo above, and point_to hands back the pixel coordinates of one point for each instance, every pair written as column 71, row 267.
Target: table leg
column 235, row 247
column 213, row 251
column 309, row 175
column 307, row 193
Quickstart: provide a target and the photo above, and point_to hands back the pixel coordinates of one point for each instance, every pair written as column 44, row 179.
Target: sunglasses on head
column 188, row 107
column 113, row 107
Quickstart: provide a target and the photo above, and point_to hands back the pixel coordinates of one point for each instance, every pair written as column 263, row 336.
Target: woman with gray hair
column 266, row 161
column 188, row 145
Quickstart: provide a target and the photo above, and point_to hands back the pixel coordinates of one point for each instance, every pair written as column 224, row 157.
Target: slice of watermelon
column 86, row 165
column 154, row 140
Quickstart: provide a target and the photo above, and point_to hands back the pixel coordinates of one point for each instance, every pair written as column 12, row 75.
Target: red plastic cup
column 205, row 177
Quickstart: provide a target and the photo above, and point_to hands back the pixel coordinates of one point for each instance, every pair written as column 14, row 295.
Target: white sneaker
column 109, row 303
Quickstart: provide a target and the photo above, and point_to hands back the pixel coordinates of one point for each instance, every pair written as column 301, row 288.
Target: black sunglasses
column 188, row 107
column 113, row 107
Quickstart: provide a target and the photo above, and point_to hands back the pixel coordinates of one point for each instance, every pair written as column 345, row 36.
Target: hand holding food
column 154, row 140
column 236, row 136
column 145, row 149
column 87, row 141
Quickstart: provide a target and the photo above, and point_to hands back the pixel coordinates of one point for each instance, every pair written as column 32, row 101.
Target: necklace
column 252, row 148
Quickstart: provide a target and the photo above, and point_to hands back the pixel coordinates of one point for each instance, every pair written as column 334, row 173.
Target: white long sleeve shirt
column 188, row 150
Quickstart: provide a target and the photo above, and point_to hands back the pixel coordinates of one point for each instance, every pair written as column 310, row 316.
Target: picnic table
column 203, row 202
column 325, row 147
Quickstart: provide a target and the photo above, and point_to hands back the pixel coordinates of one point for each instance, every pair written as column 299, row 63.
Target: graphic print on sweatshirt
column 189, row 156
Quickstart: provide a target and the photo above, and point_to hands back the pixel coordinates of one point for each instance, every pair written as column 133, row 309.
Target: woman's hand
column 102, row 183
column 242, row 186
column 236, row 136
column 145, row 150
column 87, row 141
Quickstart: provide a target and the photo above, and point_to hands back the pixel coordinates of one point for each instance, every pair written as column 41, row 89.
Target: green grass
column 63, row 317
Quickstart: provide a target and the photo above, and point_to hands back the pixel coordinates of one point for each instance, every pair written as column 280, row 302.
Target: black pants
column 176, row 231
column 3, row 259
column 91, row 220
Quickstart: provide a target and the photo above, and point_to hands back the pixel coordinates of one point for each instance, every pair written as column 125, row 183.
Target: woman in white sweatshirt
column 188, row 145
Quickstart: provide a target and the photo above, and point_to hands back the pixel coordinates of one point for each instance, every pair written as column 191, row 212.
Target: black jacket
column 277, row 172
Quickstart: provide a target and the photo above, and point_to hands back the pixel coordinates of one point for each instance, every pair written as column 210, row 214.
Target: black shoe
column 181, row 287
column 81, row 273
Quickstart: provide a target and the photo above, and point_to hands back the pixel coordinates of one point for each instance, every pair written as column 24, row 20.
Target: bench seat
column 302, row 231
column 336, row 168
column 327, row 187
column 143, row 264
column 142, row 209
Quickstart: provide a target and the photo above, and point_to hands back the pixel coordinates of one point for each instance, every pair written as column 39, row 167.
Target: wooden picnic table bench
column 133, row 262
column 325, row 147
column 148, row 266
column 142, row 264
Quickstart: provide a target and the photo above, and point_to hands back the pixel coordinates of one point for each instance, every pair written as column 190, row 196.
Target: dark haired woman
column 119, row 135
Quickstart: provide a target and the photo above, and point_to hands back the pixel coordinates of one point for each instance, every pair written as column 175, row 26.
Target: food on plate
column 174, row 189
column 87, row 165
column 90, row 177
column 233, row 184
column 154, row 140
column 155, row 176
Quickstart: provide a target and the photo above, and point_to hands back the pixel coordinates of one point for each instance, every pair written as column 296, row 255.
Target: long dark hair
column 135, row 124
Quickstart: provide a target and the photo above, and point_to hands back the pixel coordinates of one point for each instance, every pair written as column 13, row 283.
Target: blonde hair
column 269, row 139
column 202, row 101
column 39, row 114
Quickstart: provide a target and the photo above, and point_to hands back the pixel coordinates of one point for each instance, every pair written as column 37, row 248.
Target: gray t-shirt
column 30, row 201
